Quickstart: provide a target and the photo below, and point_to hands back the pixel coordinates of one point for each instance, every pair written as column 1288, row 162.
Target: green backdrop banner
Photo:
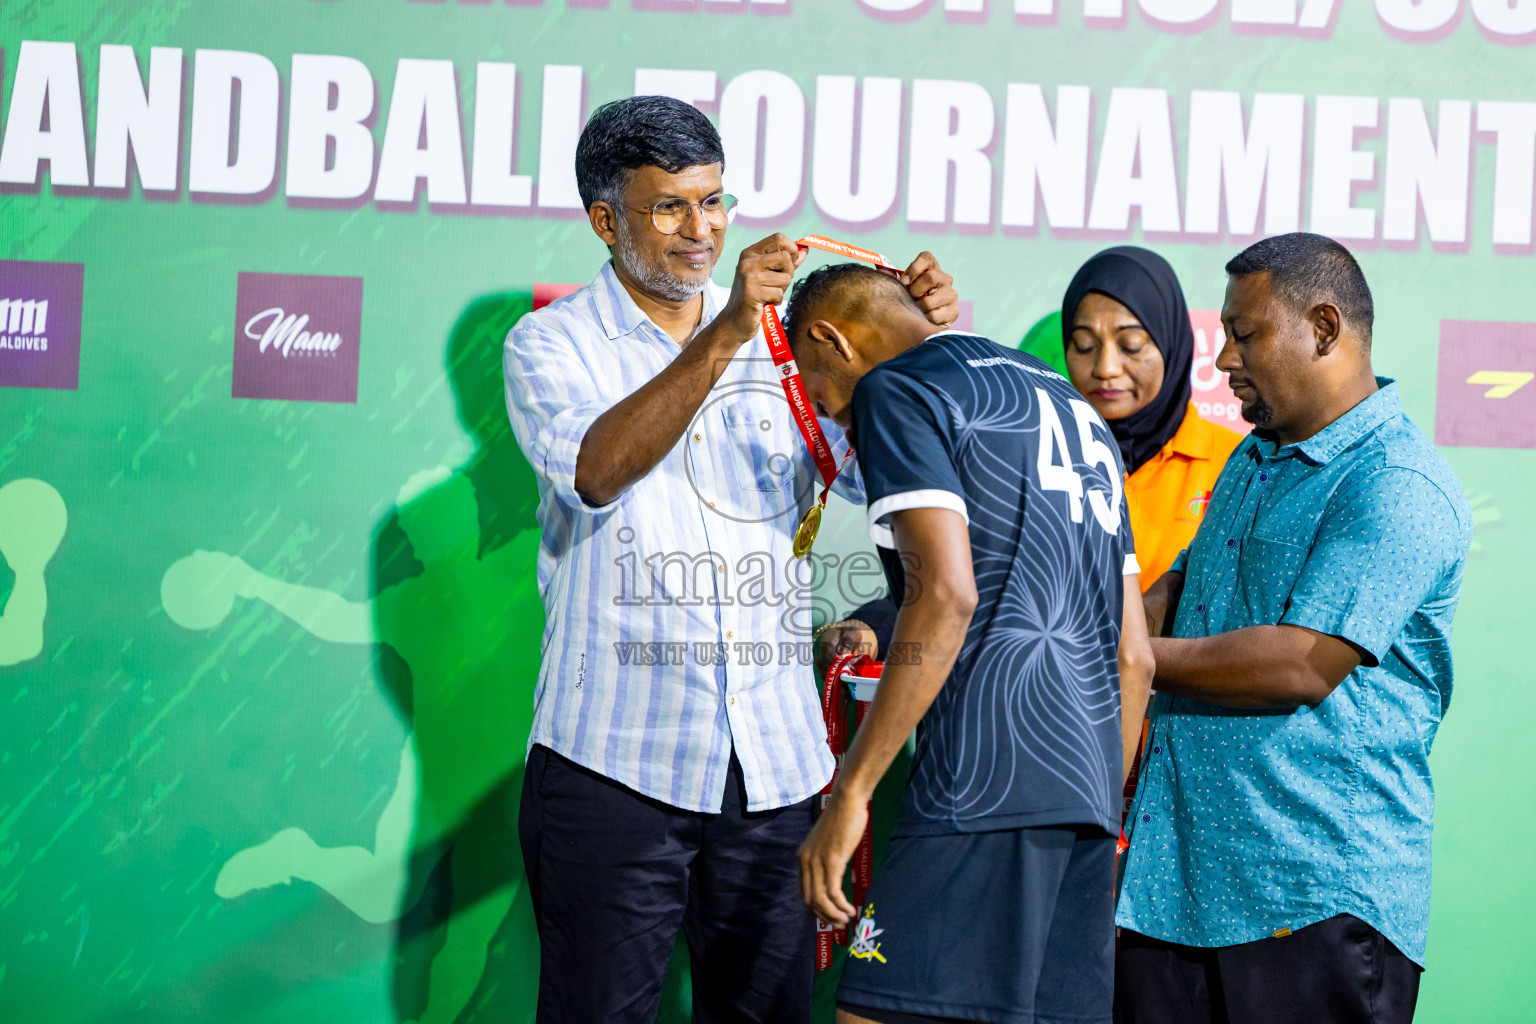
column 270, row 626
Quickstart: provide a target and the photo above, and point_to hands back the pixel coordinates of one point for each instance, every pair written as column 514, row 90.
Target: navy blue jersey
column 1026, row 730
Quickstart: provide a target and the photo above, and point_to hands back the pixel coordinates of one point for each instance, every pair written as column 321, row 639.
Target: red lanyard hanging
column 794, row 390
column 839, row 736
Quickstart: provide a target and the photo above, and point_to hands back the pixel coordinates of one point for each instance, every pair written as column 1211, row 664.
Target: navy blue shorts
column 1013, row 927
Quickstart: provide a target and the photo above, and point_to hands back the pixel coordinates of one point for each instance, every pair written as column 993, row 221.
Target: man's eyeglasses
column 670, row 215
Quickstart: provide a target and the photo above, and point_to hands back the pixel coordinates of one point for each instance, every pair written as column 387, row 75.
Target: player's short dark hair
column 847, row 289
column 641, row 131
column 1306, row 270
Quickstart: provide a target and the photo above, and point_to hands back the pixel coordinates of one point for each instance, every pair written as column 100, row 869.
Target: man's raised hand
column 763, row 274
column 932, row 289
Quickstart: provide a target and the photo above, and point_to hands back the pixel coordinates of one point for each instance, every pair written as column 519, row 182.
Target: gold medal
column 805, row 533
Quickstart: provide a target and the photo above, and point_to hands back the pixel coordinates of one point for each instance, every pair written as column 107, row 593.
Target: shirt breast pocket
column 755, row 447
column 1267, row 571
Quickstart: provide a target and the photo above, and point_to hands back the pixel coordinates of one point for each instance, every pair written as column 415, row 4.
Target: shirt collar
column 620, row 315
column 1192, row 439
column 1343, row 432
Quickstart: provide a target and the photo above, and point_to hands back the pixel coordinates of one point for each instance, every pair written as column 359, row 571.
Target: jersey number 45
column 1059, row 475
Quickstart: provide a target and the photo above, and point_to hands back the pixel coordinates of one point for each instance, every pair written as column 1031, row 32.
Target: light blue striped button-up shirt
column 677, row 620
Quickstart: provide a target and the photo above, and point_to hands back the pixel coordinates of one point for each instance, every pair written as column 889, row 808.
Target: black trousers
column 1337, row 971
column 614, row 875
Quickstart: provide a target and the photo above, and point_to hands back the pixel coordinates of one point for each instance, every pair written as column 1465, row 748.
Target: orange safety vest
column 1168, row 495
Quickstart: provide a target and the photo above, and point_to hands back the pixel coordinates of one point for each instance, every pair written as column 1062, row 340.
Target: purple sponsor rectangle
column 40, row 309
column 297, row 337
column 1486, row 394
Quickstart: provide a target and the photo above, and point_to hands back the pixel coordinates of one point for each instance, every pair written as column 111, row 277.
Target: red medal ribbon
column 838, row 739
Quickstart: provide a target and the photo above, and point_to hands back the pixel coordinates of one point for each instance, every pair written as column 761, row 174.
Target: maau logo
column 40, row 324
column 286, row 334
column 297, row 337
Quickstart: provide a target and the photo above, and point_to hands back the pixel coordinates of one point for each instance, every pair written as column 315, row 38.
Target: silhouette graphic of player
column 32, row 523
column 455, row 597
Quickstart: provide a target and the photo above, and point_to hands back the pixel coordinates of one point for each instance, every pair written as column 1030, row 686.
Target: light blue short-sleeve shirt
column 1248, row 823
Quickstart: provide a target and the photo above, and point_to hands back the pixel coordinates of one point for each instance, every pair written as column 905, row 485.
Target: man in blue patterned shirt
column 673, row 764
column 1279, row 866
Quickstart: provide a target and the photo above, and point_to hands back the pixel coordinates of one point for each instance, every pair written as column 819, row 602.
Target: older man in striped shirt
column 677, row 741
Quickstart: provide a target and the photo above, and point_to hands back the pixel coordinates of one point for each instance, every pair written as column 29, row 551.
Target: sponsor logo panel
column 297, row 337
column 1212, row 395
column 40, row 309
column 1484, row 394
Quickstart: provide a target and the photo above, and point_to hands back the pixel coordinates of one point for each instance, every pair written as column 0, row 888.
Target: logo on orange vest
column 1198, row 504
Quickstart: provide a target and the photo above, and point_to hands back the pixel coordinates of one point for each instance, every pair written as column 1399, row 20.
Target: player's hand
column 825, row 854
column 840, row 638
column 933, row 290
column 763, row 274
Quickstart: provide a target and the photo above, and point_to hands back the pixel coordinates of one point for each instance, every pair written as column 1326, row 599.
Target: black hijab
column 1143, row 282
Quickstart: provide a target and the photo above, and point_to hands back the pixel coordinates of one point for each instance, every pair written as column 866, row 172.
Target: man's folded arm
column 1382, row 547
column 1258, row 667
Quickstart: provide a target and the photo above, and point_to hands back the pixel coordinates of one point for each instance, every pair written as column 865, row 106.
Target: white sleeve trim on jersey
column 1132, row 567
column 929, row 498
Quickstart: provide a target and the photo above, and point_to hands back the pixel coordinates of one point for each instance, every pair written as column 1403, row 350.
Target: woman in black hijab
column 1129, row 348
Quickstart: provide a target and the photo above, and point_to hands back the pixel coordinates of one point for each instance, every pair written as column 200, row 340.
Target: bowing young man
column 995, row 497
column 668, row 793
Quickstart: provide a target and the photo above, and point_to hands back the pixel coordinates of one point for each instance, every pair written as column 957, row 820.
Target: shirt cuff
column 881, row 534
column 557, row 446
column 1339, row 623
column 1132, row 567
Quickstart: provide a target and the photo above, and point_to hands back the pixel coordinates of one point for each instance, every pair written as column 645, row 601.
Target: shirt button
column 711, row 504
column 1157, row 750
column 698, row 437
column 1263, row 477
column 731, row 701
column 1199, row 607
column 1231, row 543
column 1146, row 818
column 730, row 634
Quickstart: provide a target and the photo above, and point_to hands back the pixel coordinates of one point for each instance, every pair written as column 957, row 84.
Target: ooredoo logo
column 40, row 324
column 1210, row 391
column 298, row 337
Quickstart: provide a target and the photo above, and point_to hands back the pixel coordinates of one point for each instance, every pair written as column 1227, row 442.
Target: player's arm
column 626, row 442
column 1136, row 670
column 935, row 546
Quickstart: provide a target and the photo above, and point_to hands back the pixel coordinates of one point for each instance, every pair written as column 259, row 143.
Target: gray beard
column 654, row 278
